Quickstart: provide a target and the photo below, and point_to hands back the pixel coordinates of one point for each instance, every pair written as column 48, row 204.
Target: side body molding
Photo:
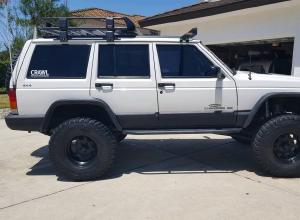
column 96, row 103
column 263, row 99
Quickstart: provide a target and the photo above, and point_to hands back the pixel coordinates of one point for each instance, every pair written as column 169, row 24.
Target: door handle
column 166, row 86
column 104, row 86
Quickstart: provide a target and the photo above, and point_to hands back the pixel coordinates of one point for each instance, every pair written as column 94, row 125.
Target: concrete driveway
column 155, row 177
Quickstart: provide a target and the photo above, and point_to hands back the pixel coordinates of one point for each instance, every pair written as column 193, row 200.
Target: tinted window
column 59, row 61
column 123, row 61
column 183, row 62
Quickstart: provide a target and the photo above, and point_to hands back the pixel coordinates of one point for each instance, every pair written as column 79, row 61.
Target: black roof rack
column 64, row 28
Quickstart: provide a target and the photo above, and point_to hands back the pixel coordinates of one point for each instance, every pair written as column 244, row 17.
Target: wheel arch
column 98, row 105
column 263, row 100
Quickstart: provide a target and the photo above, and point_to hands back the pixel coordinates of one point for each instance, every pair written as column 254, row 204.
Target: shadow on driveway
column 169, row 156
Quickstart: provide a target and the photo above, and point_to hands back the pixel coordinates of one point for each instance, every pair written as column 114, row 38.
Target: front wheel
column 82, row 149
column 277, row 146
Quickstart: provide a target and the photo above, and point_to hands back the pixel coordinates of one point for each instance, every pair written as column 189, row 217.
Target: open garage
column 266, row 56
column 252, row 35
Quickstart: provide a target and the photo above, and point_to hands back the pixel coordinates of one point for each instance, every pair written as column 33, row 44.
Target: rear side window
column 59, row 62
column 125, row 61
column 183, row 61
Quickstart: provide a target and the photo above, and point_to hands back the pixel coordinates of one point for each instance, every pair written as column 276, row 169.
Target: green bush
column 2, row 91
column 4, row 61
column 3, row 69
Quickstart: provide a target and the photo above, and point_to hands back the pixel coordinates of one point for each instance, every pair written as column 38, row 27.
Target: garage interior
column 265, row 56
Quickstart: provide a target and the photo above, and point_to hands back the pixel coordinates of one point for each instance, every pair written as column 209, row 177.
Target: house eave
column 209, row 11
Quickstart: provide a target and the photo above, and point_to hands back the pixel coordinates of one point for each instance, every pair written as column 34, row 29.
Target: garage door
column 265, row 56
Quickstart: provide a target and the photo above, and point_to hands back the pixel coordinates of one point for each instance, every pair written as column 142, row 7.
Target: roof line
column 174, row 10
column 94, row 8
column 83, row 9
column 208, row 9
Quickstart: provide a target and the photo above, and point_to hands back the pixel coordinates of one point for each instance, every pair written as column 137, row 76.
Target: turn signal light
column 13, row 100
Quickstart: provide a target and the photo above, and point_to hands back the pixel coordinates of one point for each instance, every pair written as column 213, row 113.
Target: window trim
column 183, row 77
column 60, row 78
column 125, row 77
column 189, row 77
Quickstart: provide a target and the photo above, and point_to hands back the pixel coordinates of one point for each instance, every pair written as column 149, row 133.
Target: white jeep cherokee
column 88, row 91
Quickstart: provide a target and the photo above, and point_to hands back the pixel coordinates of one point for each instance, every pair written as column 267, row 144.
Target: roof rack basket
column 64, row 28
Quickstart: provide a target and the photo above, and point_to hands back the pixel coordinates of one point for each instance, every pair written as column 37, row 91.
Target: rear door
column 190, row 93
column 124, row 78
column 53, row 71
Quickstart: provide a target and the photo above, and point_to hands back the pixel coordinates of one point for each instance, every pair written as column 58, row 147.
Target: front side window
column 128, row 61
column 59, row 62
column 184, row 61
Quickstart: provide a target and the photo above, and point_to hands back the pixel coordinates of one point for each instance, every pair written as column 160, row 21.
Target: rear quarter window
column 59, row 62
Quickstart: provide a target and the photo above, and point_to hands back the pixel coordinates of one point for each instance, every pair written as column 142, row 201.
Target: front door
column 124, row 78
column 189, row 93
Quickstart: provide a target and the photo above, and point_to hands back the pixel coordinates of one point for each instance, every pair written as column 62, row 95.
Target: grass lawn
column 4, row 103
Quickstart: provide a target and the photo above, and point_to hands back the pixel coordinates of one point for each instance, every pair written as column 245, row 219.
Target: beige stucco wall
column 267, row 22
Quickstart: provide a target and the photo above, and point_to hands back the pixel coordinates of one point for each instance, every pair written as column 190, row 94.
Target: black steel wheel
column 277, row 146
column 287, row 148
column 82, row 149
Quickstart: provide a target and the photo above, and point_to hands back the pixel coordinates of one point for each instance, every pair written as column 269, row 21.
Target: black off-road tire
column 119, row 136
column 264, row 142
column 103, row 140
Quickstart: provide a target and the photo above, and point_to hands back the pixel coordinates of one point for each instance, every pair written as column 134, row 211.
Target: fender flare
column 98, row 103
column 263, row 99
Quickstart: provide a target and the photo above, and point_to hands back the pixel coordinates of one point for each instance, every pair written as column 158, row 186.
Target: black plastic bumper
column 22, row 123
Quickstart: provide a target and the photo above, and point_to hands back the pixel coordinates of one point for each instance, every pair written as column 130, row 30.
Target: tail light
column 12, row 94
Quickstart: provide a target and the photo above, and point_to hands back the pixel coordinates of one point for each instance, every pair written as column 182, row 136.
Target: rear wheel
column 277, row 146
column 82, row 149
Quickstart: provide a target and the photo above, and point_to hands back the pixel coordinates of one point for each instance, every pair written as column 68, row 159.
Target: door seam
column 155, row 74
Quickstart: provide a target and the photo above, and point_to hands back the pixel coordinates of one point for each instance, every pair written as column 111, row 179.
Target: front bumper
column 24, row 123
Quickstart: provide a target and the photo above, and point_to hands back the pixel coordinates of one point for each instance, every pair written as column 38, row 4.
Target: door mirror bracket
column 218, row 72
column 220, row 75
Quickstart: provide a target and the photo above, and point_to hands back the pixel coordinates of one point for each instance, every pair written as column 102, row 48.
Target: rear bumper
column 22, row 123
